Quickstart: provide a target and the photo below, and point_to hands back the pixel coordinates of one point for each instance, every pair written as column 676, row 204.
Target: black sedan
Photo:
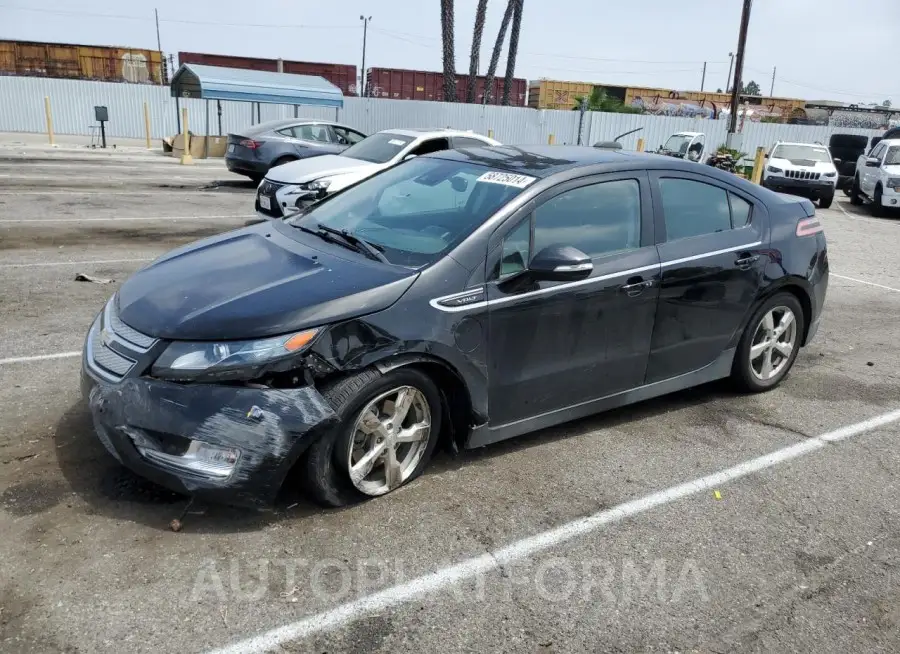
column 468, row 296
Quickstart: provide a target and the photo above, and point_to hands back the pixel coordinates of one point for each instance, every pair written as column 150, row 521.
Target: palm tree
column 513, row 50
column 449, row 58
column 495, row 57
column 476, row 49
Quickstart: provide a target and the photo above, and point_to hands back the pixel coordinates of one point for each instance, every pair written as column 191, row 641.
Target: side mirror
column 459, row 184
column 873, row 162
column 837, row 162
column 560, row 263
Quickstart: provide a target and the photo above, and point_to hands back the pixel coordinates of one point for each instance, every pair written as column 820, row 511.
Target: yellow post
column 147, row 123
column 49, row 118
column 490, row 133
column 640, row 147
column 758, row 164
column 186, row 157
column 551, row 140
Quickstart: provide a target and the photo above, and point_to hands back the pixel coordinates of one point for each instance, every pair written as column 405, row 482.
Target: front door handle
column 746, row 260
column 636, row 286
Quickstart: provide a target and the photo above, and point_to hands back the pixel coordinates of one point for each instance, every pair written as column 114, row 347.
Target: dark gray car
column 276, row 142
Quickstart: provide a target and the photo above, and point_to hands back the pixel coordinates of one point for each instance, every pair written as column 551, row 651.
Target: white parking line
column 862, row 281
column 119, row 219
column 40, row 357
column 492, row 561
column 69, row 263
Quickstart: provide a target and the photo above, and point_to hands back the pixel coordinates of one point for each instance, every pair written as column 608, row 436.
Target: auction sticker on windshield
column 507, row 179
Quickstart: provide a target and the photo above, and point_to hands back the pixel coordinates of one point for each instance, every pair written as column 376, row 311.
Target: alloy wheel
column 390, row 437
column 773, row 343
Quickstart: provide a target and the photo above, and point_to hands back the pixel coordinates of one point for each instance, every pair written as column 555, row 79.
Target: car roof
column 811, row 145
column 418, row 132
column 890, row 142
column 285, row 122
column 547, row 160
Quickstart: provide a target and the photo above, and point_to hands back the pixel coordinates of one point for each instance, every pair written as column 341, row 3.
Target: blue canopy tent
column 257, row 86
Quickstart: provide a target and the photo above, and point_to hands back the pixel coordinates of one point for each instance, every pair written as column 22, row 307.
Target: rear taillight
column 250, row 143
column 809, row 226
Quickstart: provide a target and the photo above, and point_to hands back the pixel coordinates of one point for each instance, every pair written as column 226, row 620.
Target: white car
column 804, row 169
column 878, row 177
column 300, row 183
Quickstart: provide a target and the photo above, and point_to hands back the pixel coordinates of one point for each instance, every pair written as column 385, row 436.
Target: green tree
column 513, row 49
column 495, row 56
column 751, row 88
column 476, row 49
column 600, row 100
column 449, row 58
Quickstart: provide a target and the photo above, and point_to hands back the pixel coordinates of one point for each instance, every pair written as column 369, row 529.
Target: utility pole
column 162, row 77
column 703, row 79
column 738, row 73
column 362, row 75
column 730, row 66
column 772, row 88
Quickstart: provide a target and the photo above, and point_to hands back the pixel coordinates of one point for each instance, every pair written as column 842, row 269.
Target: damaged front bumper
column 229, row 444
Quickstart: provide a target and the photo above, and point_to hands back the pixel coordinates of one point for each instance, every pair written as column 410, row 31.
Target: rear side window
column 467, row 142
column 740, row 211
column 311, row 133
column 693, row 208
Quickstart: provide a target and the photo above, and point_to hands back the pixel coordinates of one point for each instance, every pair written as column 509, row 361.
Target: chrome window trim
column 582, row 282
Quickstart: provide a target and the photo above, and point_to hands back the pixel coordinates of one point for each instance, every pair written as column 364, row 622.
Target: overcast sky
column 823, row 49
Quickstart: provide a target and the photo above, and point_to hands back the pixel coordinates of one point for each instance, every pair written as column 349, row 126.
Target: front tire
column 388, row 426
column 825, row 201
column 855, row 193
column 769, row 345
column 877, row 206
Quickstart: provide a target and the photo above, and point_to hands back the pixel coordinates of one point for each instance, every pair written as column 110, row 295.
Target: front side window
column 597, row 219
column 740, row 211
column 378, row 148
column 516, row 249
column 417, row 211
column 693, row 208
column 878, row 151
column 347, row 136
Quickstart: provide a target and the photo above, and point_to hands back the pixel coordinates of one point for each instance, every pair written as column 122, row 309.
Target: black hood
column 255, row 282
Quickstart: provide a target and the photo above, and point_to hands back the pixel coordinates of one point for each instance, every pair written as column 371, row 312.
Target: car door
column 711, row 240
column 553, row 345
column 868, row 176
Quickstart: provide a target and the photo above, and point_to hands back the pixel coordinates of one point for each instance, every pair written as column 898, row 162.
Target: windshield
column 798, row 152
column 378, row 148
column 416, row 212
column 677, row 143
column 892, row 158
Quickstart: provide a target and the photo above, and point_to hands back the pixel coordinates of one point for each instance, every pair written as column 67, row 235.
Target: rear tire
column 855, row 197
column 282, row 160
column 328, row 461
column 769, row 345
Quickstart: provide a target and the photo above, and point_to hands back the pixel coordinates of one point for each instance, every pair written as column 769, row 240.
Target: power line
column 823, row 90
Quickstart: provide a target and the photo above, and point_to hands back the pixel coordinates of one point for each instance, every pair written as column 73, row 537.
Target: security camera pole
column 733, row 140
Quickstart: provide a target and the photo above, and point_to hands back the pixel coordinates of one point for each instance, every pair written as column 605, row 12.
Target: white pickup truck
column 878, row 177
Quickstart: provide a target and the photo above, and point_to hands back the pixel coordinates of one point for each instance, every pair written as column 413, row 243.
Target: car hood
column 891, row 169
column 255, row 282
column 306, row 170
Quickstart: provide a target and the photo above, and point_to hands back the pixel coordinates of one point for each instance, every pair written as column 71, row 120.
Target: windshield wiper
column 359, row 244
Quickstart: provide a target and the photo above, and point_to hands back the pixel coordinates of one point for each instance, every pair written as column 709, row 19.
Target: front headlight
column 187, row 359
column 774, row 170
column 894, row 183
column 316, row 185
column 828, row 174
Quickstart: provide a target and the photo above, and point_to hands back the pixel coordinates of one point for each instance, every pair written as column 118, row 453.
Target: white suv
column 805, row 169
column 878, row 177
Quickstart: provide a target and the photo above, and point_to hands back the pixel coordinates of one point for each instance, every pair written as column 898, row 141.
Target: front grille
column 268, row 189
column 802, row 174
column 113, row 347
column 108, row 360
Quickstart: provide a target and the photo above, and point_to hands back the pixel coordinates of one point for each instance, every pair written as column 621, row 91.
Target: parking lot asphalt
column 800, row 553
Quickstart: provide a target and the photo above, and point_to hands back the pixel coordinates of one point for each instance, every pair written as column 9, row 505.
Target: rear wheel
column 387, row 429
column 877, row 207
column 855, row 193
column 282, row 160
column 769, row 345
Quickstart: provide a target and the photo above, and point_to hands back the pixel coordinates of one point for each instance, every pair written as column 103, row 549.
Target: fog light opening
column 200, row 458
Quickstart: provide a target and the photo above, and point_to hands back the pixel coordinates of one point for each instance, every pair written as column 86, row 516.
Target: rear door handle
column 746, row 260
column 635, row 288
